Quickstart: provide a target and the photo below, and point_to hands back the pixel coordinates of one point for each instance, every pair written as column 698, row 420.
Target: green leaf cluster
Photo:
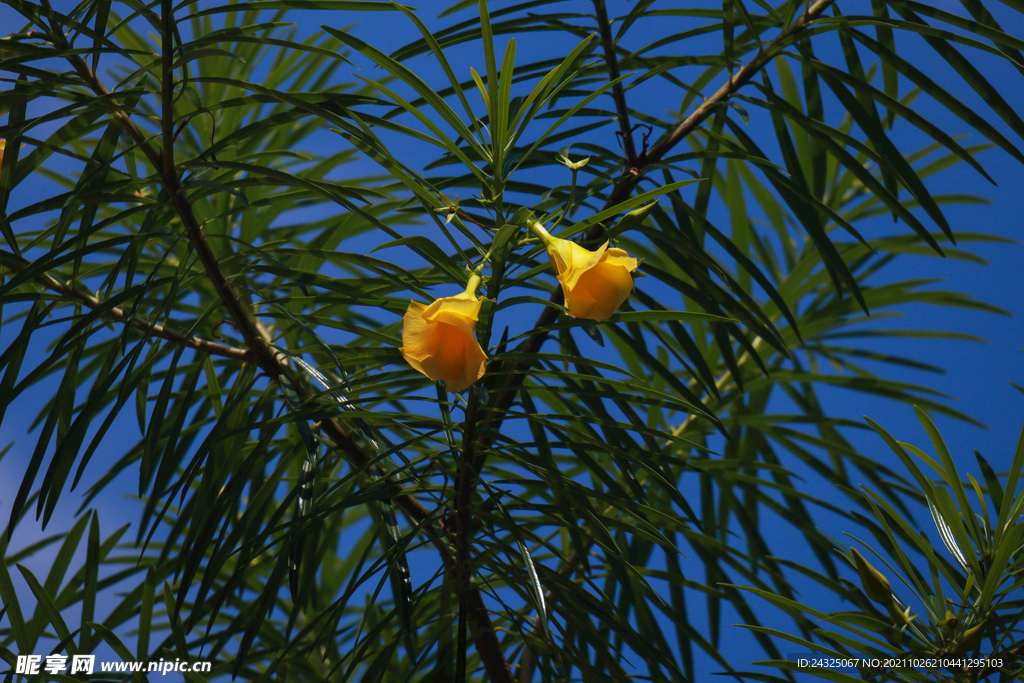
column 954, row 613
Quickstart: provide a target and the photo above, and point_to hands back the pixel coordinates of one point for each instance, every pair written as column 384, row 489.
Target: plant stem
column 568, row 204
column 541, row 233
column 618, row 94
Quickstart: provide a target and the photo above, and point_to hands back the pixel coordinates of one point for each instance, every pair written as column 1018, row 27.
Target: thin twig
column 618, row 93
column 744, row 75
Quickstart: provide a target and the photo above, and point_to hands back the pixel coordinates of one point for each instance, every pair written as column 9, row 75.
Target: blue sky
column 978, row 375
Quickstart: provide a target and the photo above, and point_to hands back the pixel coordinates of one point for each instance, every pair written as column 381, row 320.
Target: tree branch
column 117, row 313
column 749, row 70
column 239, row 312
column 618, row 94
column 471, row 600
column 259, row 349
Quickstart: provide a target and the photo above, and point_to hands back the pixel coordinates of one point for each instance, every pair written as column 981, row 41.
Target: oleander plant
column 954, row 614
column 447, row 360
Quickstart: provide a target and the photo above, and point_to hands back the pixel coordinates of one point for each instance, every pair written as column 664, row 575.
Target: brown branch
column 618, row 94
column 117, row 313
column 491, row 654
column 749, row 70
column 240, row 313
column 259, row 349
column 485, row 637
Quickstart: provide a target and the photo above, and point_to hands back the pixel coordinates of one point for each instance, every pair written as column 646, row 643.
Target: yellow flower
column 439, row 341
column 595, row 283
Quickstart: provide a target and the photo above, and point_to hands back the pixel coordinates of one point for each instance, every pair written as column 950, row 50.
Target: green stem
column 474, row 280
column 568, row 204
column 541, row 233
column 476, row 275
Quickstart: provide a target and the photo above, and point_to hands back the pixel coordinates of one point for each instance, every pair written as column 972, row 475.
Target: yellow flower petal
column 601, row 289
column 417, row 340
column 474, row 364
column 449, row 349
column 577, row 261
column 620, row 258
column 439, row 340
column 595, row 283
column 463, row 311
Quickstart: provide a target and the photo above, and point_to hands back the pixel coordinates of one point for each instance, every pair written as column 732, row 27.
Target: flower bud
column 971, row 638
column 875, row 585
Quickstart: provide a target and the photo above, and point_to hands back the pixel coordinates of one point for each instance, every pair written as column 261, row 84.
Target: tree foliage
column 959, row 617
column 212, row 253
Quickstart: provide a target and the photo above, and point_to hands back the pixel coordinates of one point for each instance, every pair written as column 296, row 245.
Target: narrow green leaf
column 414, row 81
column 12, row 606
column 972, row 118
column 146, row 615
column 90, row 586
column 322, row 5
column 46, row 604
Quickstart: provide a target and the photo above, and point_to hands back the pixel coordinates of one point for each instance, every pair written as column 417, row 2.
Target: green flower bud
column 875, row 585
column 901, row 617
column 971, row 637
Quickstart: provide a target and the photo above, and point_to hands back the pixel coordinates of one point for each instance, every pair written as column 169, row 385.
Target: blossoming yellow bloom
column 439, row 341
column 595, row 283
